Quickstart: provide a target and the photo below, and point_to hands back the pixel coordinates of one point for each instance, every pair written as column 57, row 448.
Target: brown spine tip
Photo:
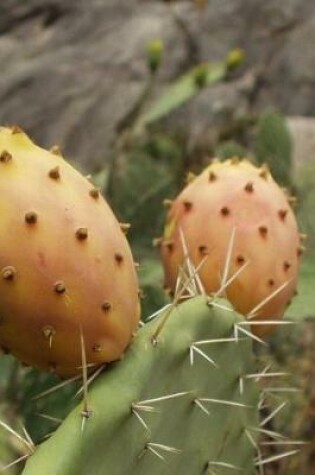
column 54, row 173
column 31, row 217
column 187, row 205
column 300, row 250
column 15, row 129
column 59, row 287
column 125, row 227
column 94, row 193
column 264, row 171
column 249, row 187
column 292, row 200
column 303, row 237
column 5, row 156
column 168, row 291
column 282, row 214
column 167, row 203
column 82, row 234
column 286, row 266
column 8, row 273
column 169, row 243
column 271, row 282
column 157, row 242
column 235, row 160
column 212, row 176
column 225, row 211
column 263, row 231
column 190, row 177
column 106, row 306
column 203, row 250
column 55, row 150
column 119, row 257
column 240, row 259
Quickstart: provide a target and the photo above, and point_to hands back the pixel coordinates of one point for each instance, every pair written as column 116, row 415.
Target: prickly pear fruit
column 65, row 265
column 235, row 216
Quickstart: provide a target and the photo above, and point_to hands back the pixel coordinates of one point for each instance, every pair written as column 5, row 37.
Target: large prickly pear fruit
column 169, row 408
column 237, row 216
column 65, row 265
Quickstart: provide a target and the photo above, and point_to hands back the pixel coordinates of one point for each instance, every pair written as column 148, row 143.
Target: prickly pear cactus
column 65, row 265
column 236, row 219
column 171, row 406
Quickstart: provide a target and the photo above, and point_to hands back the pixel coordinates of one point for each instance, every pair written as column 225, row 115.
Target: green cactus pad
column 171, row 408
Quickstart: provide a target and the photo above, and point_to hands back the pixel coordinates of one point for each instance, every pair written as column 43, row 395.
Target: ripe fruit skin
column 65, row 264
column 236, row 195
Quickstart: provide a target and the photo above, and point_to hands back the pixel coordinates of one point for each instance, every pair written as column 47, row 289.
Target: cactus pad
column 65, row 264
column 170, row 408
column 237, row 217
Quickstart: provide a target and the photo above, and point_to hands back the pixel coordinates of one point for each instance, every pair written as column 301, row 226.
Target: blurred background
column 138, row 93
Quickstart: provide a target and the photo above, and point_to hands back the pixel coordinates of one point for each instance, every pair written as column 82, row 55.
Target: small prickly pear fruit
column 237, row 216
column 66, row 269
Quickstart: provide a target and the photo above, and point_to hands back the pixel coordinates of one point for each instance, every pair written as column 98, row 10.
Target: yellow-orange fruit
column 65, row 265
column 236, row 197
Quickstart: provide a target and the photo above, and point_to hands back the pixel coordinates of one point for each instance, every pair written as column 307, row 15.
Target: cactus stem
column 212, row 176
column 59, row 287
column 54, row 173
column 225, row 211
column 8, row 273
column 82, row 234
column 31, row 217
column 94, row 193
column 193, row 348
column 212, row 303
column 55, row 150
column 249, row 187
column 93, row 376
column 5, row 157
column 282, row 214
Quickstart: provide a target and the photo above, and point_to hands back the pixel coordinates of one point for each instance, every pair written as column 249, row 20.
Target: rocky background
column 71, row 70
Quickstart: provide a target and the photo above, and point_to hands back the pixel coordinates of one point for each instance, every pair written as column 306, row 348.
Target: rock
column 302, row 130
column 72, row 71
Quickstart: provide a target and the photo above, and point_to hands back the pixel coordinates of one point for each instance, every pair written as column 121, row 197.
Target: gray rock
column 72, row 70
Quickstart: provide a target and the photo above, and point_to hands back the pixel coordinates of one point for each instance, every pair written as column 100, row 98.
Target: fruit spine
column 236, row 219
column 65, row 265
